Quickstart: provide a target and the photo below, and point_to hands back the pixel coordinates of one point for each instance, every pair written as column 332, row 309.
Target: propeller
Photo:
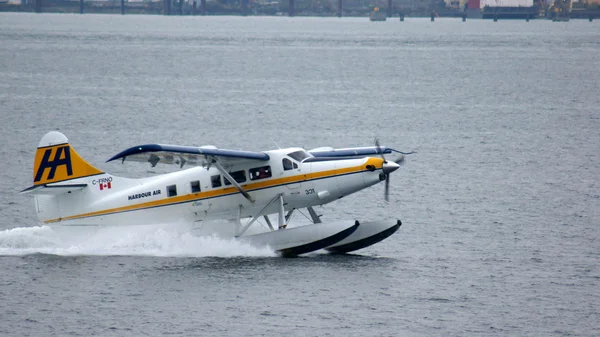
column 386, row 191
column 389, row 167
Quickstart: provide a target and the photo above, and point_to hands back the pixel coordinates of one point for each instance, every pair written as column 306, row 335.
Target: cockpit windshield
column 299, row 155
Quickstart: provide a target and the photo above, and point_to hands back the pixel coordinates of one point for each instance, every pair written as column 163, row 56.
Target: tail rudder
column 56, row 161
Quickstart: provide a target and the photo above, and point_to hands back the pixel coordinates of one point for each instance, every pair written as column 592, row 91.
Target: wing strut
column 232, row 181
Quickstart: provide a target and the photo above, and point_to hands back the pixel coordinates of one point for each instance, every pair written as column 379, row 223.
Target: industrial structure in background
column 512, row 9
column 376, row 10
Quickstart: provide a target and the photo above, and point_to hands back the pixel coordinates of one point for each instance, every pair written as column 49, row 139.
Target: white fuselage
column 200, row 194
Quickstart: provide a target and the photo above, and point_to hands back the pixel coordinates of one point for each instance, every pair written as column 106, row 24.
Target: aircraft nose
column 389, row 167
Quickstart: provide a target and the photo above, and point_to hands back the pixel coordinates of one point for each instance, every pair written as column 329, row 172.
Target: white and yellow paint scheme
column 219, row 184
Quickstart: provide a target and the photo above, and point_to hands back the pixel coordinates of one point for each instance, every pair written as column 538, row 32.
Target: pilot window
column 299, row 155
column 239, row 176
column 216, row 180
column 171, row 190
column 260, row 172
column 287, row 164
column 195, row 186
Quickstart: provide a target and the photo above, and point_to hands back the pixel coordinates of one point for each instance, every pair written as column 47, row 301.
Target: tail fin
column 56, row 161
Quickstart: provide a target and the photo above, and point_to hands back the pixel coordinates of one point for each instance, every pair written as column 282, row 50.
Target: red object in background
column 475, row 4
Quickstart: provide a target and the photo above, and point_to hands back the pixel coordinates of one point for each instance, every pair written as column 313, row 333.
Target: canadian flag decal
column 105, row 186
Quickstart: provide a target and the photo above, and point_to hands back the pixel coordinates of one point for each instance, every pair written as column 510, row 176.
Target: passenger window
column 287, row 164
column 195, row 186
column 171, row 190
column 260, row 172
column 216, row 180
column 239, row 176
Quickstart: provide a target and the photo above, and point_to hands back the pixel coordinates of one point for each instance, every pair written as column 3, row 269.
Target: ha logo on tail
column 58, row 166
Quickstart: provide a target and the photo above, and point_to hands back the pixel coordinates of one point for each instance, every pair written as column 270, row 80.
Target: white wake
column 129, row 240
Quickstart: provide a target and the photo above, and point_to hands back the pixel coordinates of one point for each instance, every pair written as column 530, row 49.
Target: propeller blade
column 379, row 150
column 386, row 192
column 400, row 161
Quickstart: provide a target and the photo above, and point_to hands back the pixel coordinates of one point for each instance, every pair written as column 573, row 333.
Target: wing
column 191, row 155
column 359, row 152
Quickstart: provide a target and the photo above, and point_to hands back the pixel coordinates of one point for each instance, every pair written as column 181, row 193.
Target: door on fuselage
column 293, row 169
column 299, row 188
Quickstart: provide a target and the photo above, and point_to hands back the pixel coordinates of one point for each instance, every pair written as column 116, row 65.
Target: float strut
column 282, row 223
column 268, row 221
column 315, row 218
column 261, row 212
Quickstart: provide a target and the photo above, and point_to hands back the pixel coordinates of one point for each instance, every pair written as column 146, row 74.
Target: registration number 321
column 310, row 191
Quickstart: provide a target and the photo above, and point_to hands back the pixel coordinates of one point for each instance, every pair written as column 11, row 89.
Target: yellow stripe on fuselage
column 377, row 162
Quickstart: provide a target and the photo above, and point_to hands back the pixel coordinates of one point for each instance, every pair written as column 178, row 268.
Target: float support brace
column 313, row 215
column 261, row 212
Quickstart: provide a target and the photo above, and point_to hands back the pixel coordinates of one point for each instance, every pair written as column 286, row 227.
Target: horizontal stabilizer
column 52, row 189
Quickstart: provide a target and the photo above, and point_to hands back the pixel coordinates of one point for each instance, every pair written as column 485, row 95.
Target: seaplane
column 218, row 192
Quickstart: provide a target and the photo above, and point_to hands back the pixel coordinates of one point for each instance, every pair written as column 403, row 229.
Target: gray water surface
column 500, row 204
